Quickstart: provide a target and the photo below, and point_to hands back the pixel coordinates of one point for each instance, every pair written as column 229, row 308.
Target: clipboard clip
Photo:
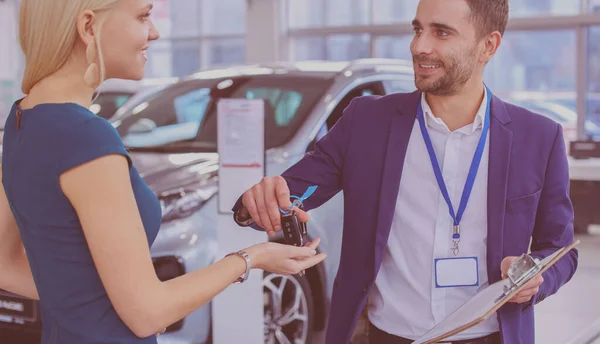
column 520, row 271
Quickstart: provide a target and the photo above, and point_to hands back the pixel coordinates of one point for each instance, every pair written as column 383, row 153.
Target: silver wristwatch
column 245, row 257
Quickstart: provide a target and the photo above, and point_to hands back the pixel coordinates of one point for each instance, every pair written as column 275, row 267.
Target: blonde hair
column 48, row 32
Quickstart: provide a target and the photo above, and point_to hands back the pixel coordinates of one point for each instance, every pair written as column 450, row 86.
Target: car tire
column 299, row 331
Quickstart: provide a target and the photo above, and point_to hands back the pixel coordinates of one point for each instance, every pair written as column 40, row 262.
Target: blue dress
column 52, row 139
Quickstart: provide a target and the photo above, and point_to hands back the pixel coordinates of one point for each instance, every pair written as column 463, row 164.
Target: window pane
column 186, row 57
column 594, row 5
column 225, row 52
column 347, row 12
column 394, row 47
column 161, row 17
column 347, row 47
column 159, row 59
column 310, row 48
column 593, row 98
column 306, row 13
column 537, row 8
column 184, row 18
column 222, row 17
column 536, row 69
column 394, row 11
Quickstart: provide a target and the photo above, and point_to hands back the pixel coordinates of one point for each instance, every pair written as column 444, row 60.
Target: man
column 415, row 246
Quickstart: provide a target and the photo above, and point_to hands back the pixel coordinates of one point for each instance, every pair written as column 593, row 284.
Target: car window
column 185, row 114
column 399, row 86
column 284, row 102
column 190, row 107
column 158, row 127
column 374, row 88
column 107, row 103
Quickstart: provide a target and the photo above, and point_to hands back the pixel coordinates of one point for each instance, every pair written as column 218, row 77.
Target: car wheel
column 289, row 309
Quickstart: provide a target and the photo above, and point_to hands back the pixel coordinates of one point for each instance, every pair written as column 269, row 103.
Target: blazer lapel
column 499, row 161
column 401, row 126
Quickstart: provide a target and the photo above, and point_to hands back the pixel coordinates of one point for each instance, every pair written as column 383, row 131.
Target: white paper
column 241, row 148
column 241, row 133
column 456, row 272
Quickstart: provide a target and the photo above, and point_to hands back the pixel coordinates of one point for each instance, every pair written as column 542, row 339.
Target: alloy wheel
column 286, row 310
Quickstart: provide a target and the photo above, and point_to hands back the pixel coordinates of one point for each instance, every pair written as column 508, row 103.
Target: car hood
column 165, row 172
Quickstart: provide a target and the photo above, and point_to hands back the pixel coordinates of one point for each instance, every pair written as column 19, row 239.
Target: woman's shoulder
column 80, row 135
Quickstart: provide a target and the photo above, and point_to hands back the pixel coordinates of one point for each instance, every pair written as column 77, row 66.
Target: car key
column 294, row 231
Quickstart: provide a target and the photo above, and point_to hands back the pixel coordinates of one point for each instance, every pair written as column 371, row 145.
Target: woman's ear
column 85, row 27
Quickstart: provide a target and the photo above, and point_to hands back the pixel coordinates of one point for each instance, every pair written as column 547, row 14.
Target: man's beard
column 456, row 72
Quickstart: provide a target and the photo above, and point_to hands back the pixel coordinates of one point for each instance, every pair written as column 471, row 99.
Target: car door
column 327, row 220
column 366, row 89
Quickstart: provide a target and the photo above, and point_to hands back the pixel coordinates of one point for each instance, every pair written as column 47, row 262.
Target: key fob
column 294, row 231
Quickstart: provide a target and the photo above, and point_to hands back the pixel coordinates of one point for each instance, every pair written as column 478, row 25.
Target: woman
column 75, row 202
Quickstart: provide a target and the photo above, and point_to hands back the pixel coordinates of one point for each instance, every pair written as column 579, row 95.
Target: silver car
column 173, row 141
column 172, row 137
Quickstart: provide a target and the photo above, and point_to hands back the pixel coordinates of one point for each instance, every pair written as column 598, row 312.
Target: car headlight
column 183, row 203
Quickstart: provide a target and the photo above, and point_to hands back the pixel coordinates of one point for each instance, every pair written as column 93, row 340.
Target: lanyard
column 299, row 200
column 472, row 171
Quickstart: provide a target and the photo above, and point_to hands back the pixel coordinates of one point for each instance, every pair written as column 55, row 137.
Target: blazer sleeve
column 554, row 221
column 322, row 167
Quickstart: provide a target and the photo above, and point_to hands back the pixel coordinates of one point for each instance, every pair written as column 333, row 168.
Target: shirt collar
column 431, row 120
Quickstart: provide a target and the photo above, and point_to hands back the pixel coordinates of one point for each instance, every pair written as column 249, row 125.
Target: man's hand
column 263, row 200
column 529, row 290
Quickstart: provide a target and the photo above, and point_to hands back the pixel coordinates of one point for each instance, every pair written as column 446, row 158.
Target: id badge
column 456, row 272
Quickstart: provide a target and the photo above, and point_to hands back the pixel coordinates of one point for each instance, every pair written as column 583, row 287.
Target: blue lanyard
column 472, row 171
column 299, row 200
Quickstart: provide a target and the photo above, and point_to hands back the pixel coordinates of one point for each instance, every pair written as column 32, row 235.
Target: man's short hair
column 489, row 16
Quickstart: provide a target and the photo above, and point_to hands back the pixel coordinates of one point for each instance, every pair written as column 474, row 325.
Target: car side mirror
column 142, row 126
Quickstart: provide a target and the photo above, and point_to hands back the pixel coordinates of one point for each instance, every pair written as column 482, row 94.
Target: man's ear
column 491, row 44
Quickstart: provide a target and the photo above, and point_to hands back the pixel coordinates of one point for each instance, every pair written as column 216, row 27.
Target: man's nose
column 422, row 44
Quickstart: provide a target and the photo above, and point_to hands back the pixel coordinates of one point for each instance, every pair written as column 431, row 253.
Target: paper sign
column 241, row 133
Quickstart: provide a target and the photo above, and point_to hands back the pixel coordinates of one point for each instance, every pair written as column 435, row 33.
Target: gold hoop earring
column 91, row 76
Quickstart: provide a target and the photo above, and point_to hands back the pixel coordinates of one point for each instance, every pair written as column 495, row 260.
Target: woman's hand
column 285, row 259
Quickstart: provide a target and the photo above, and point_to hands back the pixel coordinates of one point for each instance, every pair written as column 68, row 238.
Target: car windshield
column 107, row 103
column 184, row 117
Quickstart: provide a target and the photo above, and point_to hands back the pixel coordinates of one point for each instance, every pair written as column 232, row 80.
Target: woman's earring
column 91, row 74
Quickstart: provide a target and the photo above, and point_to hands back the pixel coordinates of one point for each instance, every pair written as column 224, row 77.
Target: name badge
column 456, row 272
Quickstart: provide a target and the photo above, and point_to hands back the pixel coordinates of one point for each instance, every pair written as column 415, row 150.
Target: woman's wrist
column 255, row 254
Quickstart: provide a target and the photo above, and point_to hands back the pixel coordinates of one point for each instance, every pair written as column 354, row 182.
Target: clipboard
column 488, row 301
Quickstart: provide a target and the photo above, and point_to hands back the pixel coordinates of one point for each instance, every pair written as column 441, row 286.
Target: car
column 114, row 93
column 171, row 136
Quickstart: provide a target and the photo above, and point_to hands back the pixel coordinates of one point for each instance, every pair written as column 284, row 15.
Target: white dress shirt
column 404, row 300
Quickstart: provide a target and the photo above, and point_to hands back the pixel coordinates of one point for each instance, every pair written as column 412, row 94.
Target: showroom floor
column 573, row 315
